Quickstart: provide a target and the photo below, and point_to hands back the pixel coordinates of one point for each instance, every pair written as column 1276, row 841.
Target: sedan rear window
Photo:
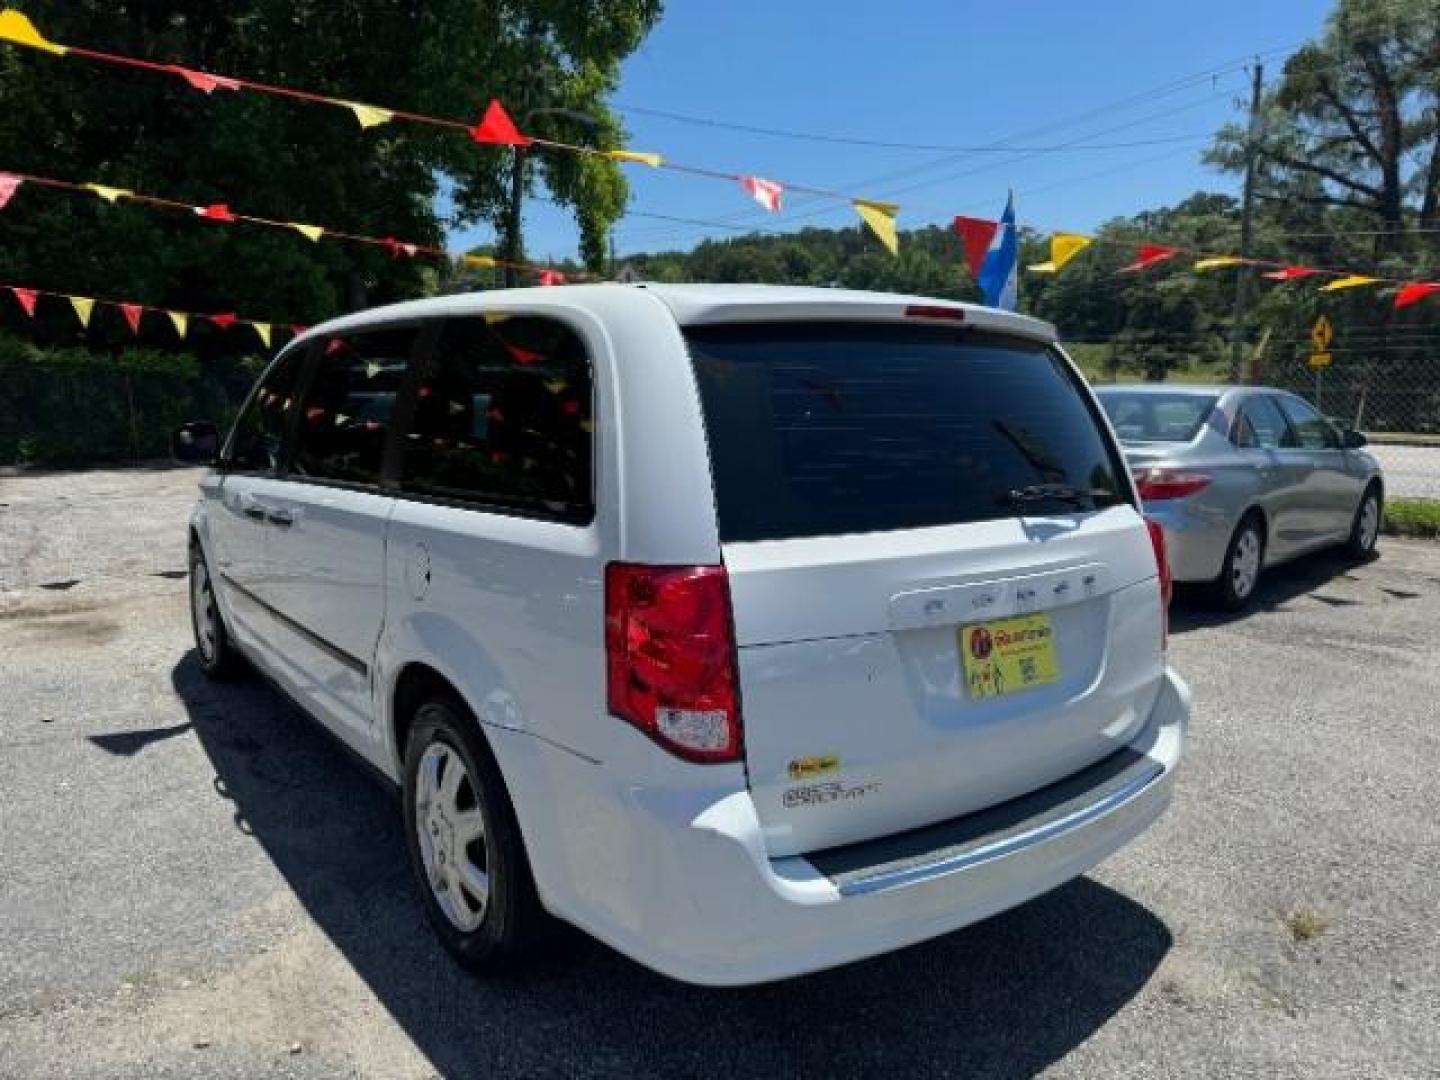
column 829, row 428
column 1157, row 417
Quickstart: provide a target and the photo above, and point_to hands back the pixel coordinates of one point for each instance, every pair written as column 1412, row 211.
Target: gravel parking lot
column 195, row 882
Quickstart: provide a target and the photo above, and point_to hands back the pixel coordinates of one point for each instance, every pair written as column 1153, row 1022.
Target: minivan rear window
column 824, row 428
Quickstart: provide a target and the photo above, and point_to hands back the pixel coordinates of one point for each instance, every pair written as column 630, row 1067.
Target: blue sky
column 960, row 74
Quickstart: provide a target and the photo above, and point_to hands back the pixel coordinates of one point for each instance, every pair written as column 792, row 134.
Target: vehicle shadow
column 1004, row 998
column 1193, row 608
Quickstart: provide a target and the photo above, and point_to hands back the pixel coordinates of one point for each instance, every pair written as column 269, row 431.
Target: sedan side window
column 1261, row 424
column 259, row 432
column 345, row 419
column 1312, row 429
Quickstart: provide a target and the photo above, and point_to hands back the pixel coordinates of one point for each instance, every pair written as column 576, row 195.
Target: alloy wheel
column 451, row 830
column 1245, row 564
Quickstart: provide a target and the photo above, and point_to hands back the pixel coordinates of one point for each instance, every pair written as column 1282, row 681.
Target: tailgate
column 943, row 597
column 860, row 719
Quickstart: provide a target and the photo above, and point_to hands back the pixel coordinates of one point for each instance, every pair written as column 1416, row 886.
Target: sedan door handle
column 256, row 512
column 280, row 517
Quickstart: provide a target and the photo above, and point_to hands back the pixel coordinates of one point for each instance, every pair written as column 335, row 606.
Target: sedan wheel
column 1243, row 561
column 1365, row 532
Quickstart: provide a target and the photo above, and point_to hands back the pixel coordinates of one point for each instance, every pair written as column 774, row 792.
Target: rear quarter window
column 831, row 428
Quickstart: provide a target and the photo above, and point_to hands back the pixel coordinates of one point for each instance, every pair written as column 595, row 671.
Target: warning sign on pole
column 1321, row 335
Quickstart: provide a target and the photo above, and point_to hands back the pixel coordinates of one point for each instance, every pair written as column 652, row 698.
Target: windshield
column 828, row 428
column 1146, row 416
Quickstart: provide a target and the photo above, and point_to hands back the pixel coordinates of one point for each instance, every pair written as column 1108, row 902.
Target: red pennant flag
column 225, row 319
column 132, row 313
column 1414, row 292
column 398, row 248
column 497, row 127
column 767, row 193
column 976, row 234
column 9, row 184
column 551, row 277
column 1150, row 254
column 27, row 298
column 1290, row 273
column 205, row 82
column 521, row 355
column 216, row 212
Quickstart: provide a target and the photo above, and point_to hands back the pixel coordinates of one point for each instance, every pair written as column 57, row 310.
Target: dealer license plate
column 1008, row 655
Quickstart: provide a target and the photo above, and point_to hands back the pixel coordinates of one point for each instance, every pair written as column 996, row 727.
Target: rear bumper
column 1196, row 537
column 706, row 905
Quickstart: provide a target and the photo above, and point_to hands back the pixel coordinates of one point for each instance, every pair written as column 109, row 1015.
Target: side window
column 345, row 416
column 1312, row 429
column 1264, row 424
column 503, row 418
column 259, row 431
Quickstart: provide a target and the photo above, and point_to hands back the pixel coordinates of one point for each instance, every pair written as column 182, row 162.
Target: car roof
column 693, row 305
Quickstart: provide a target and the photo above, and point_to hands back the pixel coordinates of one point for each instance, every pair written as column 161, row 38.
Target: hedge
column 69, row 406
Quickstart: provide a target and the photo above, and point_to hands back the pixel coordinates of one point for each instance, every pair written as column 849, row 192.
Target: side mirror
column 1351, row 439
column 196, row 443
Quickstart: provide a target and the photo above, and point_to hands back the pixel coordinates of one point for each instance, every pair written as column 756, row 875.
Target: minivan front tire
column 464, row 842
column 219, row 658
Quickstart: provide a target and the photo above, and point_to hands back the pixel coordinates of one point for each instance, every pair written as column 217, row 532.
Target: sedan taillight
column 1155, row 484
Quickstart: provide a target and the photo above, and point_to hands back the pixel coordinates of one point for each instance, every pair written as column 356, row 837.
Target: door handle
column 255, row 512
column 282, row 518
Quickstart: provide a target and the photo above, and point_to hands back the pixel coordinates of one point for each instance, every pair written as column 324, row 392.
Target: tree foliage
column 288, row 160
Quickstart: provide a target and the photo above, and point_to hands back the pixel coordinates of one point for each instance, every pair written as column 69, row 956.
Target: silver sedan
column 1243, row 478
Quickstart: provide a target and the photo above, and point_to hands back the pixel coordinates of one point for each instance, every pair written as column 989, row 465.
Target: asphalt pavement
column 194, row 881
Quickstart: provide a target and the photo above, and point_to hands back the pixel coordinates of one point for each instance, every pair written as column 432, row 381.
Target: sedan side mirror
column 1352, row 439
column 196, row 443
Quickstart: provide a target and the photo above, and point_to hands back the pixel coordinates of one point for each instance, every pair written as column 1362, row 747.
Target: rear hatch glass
column 943, row 596
column 828, row 428
column 1149, row 416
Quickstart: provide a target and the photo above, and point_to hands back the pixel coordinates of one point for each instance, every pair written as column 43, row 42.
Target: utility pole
column 1247, row 213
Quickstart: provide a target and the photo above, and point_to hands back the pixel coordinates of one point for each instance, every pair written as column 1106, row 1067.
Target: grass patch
column 1413, row 517
column 1305, row 925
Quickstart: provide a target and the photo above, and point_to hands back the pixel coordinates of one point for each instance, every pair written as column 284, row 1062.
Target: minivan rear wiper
column 1062, row 493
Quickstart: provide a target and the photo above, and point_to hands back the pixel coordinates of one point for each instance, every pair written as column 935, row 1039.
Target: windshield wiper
column 1061, row 493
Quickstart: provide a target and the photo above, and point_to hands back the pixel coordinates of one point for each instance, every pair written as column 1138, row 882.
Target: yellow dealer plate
column 1008, row 655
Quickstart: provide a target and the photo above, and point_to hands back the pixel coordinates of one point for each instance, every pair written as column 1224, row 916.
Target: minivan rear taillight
column 1167, row 583
column 1156, row 484
column 670, row 657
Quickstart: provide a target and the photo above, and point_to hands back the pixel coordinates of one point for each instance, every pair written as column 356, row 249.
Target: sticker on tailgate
column 1008, row 655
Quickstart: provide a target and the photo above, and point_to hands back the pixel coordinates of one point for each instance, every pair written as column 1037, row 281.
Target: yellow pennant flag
column 479, row 262
column 369, row 115
column 84, row 307
column 109, row 194
column 15, row 27
column 880, row 216
column 1216, row 262
column 636, row 157
column 310, row 232
column 1063, row 248
column 1350, row 281
column 262, row 329
column 180, row 321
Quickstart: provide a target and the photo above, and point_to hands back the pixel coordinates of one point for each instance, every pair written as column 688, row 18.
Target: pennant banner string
column 221, row 212
column 84, row 307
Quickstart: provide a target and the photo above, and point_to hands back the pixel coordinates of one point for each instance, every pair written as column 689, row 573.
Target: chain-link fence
column 1385, row 389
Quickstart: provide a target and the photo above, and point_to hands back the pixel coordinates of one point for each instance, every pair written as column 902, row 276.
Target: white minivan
column 752, row 630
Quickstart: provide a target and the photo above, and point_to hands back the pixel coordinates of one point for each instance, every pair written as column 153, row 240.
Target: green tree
column 286, row 160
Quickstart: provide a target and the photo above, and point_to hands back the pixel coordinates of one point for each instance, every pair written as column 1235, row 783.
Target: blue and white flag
column 999, row 274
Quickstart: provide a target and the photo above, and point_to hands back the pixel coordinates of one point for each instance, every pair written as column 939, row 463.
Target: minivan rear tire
column 485, row 937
